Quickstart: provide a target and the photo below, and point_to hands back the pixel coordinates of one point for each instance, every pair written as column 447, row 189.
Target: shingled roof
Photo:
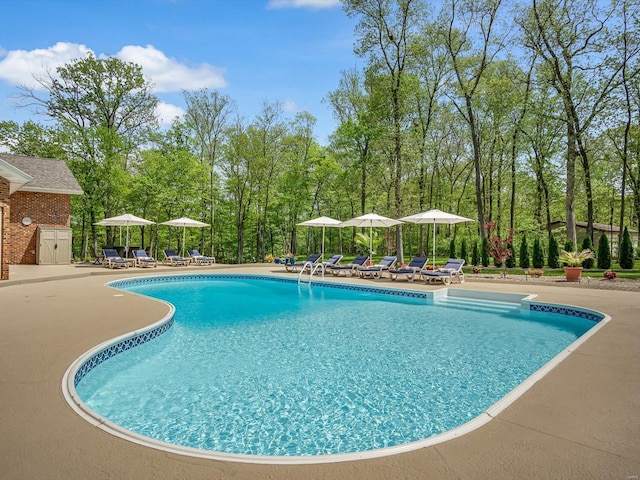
column 47, row 175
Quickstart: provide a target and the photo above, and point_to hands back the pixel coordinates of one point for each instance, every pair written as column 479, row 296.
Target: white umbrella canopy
column 184, row 222
column 321, row 222
column 371, row 220
column 124, row 220
column 435, row 216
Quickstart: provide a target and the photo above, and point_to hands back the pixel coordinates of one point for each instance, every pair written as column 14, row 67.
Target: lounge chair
column 112, row 259
column 331, row 262
column 172, row 258
column 410, row 271
column 311, row 259
column 376, row 271
column 198, row 259
column 445, row 274
column 144, row 260
column 348, row 269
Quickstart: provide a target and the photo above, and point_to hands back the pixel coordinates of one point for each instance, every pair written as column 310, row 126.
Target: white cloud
column 167, row 112
column 289, row 106
column 22, row 67
column 169, row 75
column 312, row 4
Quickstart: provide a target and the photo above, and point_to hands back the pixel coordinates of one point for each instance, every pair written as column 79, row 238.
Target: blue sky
column 289, row 51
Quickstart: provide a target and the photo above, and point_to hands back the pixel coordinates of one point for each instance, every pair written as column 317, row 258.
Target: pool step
column 478, row 305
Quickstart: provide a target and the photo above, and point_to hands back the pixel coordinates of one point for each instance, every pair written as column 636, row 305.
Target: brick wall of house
column 4, row 220
column 45, row 210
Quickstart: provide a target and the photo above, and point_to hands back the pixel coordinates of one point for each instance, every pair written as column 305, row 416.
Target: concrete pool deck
column 582, row 420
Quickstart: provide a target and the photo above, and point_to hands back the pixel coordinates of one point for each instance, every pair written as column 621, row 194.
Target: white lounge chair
column 410, row 271
column 445, row 274
column 350, row 268
column 376, row 271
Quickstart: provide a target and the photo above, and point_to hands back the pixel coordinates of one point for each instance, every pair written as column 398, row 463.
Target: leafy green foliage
column 604, row 254
column 525, row 261
column 452, row 249
column 475, row 254
column 511, row 261
column 587, row 244
column 552, row 258
column 485, row 252
column 538, row 254
column 464, row 255
column 626, row 251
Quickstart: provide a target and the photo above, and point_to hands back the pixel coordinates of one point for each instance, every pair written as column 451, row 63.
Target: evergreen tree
column 475, row 254
column 626, row 251
column 604, row 255
column 538, row 254
column 569, row 246
column 463, row 251
column 485, row 252
column 525, row 262
column 452, row 248
column 511, row 261
column 554, row 253
column 587, row 243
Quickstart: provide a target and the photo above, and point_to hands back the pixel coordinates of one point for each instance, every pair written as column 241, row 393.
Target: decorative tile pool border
column 566, row 310
column 122, row 346
column 129, row 282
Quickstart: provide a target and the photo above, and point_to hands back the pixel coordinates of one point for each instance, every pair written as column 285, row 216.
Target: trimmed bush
column 464, row 255
column 452, row 249
column 604, row 254
column 554, row 252
column 538, row 254
column 511, row 261
column 525, row 262
column 485, row 252
column 626, row 251
column 587, row 243
column 475, row 254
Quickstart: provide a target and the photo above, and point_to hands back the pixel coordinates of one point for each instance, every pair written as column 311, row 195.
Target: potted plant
column 573, row 263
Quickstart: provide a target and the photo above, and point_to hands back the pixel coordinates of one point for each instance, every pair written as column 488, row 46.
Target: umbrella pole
column 434, row 245
column 371, row 243
column 184, row 237
column 322, row 256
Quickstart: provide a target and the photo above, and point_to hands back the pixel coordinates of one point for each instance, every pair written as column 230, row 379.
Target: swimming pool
column 295, row 377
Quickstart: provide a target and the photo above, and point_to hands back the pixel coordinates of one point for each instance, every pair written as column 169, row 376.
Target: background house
column 612, row 232
column 35, row 211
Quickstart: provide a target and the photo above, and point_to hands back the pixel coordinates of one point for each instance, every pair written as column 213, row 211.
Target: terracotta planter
column 572, row 274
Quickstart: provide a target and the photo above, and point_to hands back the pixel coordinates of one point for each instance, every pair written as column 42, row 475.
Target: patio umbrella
column 433, row 217
column 321, row 222
column 371, row 220
column 185, row 222
column 124, row 220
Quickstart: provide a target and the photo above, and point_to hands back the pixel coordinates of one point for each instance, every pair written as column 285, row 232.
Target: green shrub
column 464, row 255
column 626, row 251
column 587, row 243
column 569, row 246
column 485, row 252
column 452, row 249
column 525, row 262
column 475, row 254
column 511, row 261
column 538, row 254
column 604, row 254
column 554, row 252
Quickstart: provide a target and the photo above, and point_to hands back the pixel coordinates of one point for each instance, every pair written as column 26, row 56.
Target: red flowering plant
column 499, row 248
column 610, row 274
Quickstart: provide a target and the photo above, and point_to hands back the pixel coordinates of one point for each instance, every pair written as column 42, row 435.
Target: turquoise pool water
column 261, row 367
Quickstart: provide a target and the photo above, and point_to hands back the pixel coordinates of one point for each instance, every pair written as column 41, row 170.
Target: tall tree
column 463, row 21
column 383, row 31
column 579, row 61
column 207, row 117
column 106, row 108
